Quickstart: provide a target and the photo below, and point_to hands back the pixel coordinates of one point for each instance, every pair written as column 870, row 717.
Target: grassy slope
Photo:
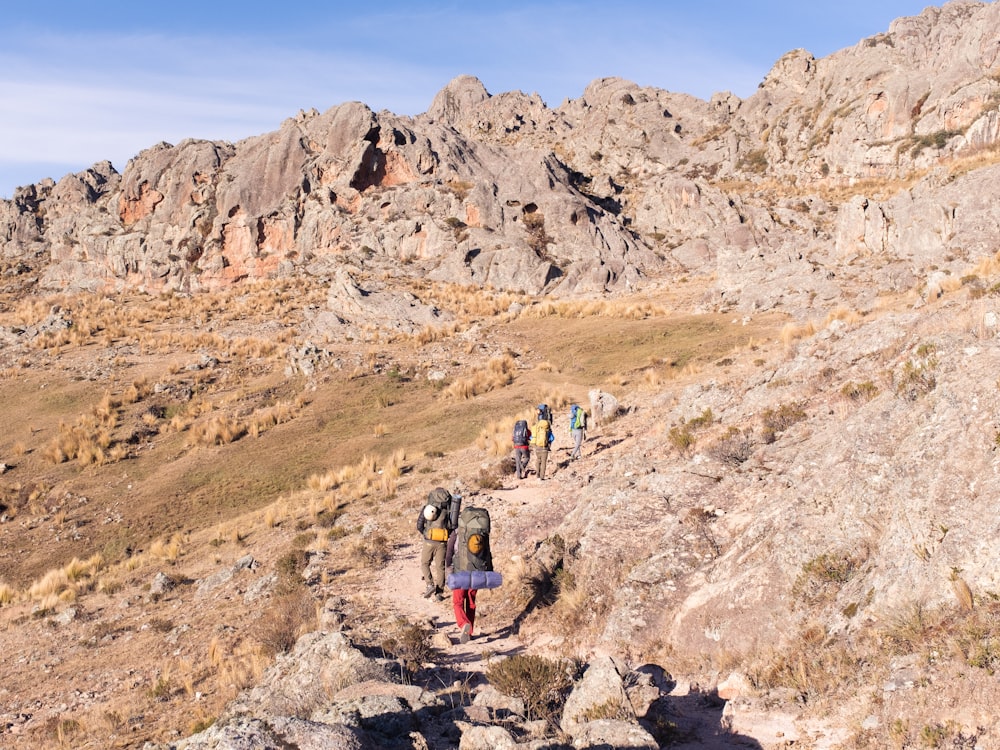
column 166, row 485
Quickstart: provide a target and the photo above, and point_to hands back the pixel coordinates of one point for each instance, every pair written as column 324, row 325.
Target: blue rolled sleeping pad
column 474, row 579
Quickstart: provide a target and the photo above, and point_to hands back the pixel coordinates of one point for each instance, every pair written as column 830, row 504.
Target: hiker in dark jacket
column 522, row 454
column 434, row 526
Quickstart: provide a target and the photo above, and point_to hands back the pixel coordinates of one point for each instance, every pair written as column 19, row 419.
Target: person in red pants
column 468, row 551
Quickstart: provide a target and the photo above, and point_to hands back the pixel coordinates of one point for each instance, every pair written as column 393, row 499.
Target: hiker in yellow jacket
column 541, row 440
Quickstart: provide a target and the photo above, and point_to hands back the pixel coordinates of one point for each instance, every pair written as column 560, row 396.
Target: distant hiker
column 435, row 525
column 469, row 551
column 545, row 412
column 541, row 440
column 522, row 449
column 577, row 429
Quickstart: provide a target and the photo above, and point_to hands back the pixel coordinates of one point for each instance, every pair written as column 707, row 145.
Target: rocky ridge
column 624, row 185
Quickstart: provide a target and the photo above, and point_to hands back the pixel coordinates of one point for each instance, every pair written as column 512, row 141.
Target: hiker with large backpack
column 522, row 442
column 541, row 439
column 469, row 559
column 436, row 521
column 577, row 429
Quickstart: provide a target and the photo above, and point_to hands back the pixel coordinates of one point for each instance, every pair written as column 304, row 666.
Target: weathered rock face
column 897, row 482
column 596, row 195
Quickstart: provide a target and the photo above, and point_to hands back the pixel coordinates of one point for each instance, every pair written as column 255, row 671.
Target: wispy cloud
column 70, row 114
column 86, row 92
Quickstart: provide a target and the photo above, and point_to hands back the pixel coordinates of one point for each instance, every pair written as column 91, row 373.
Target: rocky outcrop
column 326, row 694
column 624, row 186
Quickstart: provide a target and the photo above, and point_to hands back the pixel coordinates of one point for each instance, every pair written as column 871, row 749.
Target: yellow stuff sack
column 437, row 535
column 476, row 544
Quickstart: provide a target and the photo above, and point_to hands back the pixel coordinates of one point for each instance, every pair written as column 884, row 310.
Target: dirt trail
column 401, row 583
column 531, row 503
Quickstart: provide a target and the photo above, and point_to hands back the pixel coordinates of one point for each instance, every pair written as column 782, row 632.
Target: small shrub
column 612, row 709
column 823, row 576
column 491, row 477
column 289, row 616
column 754, row 161
column 372, row 550
column 735, row 447
column 162, row 688
column 780, row 419
column 917, row 379
column 290, row 566
column 682, row 436
column 865, row 391
column 539, row 682
column 410, row 644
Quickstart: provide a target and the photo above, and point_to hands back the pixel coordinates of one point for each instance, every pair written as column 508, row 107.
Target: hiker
column 468, row 551
column 435, row 525
column 577, row 429
column 541, row 440
column 522, row 443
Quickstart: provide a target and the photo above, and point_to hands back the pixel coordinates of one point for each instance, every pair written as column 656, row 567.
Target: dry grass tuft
column 219, row 430
column 499, row 372
column 167, row 550
column 7, row 594
column 792, row 332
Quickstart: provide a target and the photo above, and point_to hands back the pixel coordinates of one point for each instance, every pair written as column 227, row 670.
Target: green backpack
column 472, row 545
column 436, row 513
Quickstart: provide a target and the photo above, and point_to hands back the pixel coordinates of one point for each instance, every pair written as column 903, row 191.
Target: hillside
column 231, row 374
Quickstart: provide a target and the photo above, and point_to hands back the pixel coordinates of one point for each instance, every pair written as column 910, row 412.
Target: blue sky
column 83, row 82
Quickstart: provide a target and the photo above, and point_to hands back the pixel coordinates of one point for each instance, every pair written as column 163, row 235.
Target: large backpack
column 472, row 545
column 542, row 435
column 577, row 418
column 544, row 412
column 437, row 515
column 520, row 436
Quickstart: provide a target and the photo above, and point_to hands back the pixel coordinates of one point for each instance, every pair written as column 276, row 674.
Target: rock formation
column 604, row 193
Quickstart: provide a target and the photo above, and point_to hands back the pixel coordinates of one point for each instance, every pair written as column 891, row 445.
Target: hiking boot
column 466, row 633
column 431, row 588
column 438, row 597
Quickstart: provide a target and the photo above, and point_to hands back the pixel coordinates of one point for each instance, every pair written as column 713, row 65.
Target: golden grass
column 620, row 309
column 242, row 668
column 839, row 189
column 792, row 332
column 62, row 584
column 987, row 267
column 168, row 550
column 264, row 419
column 494, row 438
column 221, row 429
column 844, row 315
column 499, row 372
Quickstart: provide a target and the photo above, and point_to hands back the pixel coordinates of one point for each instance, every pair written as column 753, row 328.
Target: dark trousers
column 521, row 457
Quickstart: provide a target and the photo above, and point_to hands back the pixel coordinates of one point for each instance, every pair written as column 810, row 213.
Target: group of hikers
column 456, row 550
column 539, row 437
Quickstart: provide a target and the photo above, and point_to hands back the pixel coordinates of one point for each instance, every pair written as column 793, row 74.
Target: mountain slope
column 273, row 349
